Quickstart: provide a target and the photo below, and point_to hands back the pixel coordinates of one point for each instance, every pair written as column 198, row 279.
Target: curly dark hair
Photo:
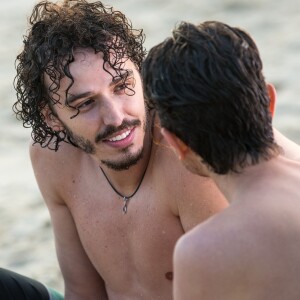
column 56, row 29
column 207, row 84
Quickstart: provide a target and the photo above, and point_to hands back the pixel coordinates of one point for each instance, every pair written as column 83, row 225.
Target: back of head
column 56, row 30
column 207, row 84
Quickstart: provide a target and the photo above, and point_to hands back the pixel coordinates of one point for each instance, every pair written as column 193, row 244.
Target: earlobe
column 272, row 97
column 177, row 144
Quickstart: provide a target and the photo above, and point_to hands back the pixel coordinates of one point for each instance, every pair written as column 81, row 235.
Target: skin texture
column 251, row 249
column 103, row 253
column 248, row 251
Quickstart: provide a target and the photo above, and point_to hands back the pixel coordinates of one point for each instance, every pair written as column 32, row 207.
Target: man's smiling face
column 104, row 115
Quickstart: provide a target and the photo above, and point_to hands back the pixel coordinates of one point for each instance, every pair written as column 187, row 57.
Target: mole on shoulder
column 169, row 275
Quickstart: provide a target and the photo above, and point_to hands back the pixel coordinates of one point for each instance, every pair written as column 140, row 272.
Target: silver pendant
column 125, row 199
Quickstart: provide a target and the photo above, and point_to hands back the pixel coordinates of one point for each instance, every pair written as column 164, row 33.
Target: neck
column 236, row 186
column 228, row 184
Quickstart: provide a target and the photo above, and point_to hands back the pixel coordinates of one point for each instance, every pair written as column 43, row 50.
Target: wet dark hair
column 56, row 29
column 207, row 84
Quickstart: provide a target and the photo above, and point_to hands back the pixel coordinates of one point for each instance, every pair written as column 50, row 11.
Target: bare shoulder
column 44, row 155
column 208, row 261
column 235, row 253
column 228, row 237
column 53, row 169
column 212, row 237
column 46, row 162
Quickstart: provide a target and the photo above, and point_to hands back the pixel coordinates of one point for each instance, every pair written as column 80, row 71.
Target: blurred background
column 26, row 240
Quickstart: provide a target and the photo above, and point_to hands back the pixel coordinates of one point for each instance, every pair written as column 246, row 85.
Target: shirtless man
column 207, row 84
column 117, row 195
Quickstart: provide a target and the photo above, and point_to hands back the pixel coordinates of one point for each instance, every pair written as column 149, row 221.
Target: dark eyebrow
column 72, row 98
column 122, row 76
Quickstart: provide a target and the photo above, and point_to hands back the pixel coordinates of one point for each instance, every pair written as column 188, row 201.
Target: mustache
column 110, row 129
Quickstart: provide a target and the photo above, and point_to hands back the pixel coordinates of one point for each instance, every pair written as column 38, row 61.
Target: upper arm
column 81, row 278
column 187, row 279
column 197, row 271
column 198, row 200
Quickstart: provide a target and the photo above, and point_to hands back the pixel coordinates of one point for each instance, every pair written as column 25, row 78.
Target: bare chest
column 133, row 249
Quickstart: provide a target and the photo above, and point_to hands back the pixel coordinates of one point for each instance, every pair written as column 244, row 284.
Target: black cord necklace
column 127, row 198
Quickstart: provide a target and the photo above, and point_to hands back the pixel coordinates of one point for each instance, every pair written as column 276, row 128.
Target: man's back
column 132, row 252
column 250, row 250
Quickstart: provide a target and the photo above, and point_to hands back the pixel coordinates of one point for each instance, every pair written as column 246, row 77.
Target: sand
column 26, row 239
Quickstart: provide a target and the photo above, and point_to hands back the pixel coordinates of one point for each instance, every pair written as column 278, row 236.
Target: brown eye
column 85, row 104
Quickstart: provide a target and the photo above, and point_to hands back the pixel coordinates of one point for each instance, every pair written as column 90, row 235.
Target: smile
column 120, row 137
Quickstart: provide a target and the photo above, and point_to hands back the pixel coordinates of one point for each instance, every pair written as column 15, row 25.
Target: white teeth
column 120, row 137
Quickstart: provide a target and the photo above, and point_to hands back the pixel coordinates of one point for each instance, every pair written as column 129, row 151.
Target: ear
column 176, row 143
column 273, row 97
column 51, row 120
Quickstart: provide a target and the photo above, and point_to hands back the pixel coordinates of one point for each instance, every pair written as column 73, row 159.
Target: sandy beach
column 26, row 239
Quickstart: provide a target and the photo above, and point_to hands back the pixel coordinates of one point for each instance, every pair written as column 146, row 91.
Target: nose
column 112, row 112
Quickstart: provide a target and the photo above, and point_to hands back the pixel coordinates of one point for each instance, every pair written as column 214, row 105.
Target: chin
column 130, row 159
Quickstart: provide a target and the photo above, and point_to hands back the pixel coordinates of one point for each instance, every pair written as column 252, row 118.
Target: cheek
column 84, row 126
column 139, row 96
column 135, row 106
column 141, row 103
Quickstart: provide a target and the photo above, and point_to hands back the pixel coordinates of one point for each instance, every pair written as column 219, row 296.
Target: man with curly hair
column 118, row 198
column 215, row 107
